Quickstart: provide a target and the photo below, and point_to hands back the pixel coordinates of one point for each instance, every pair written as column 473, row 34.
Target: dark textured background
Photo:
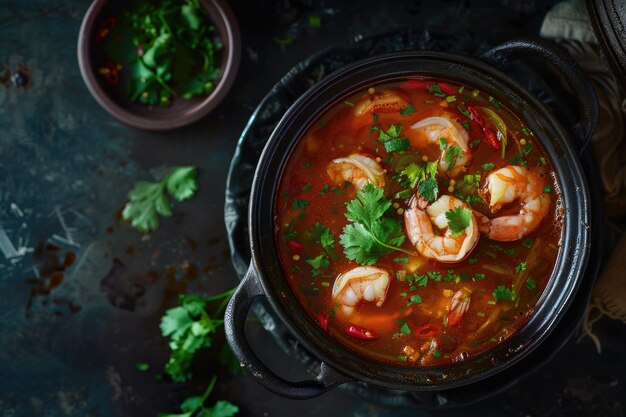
column 81, row 294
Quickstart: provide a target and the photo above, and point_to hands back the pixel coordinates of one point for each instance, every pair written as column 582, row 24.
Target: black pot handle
column 234, row 321
column 500, row 56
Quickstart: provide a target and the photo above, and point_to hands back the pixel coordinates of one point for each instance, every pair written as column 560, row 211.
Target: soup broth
column 417, row 222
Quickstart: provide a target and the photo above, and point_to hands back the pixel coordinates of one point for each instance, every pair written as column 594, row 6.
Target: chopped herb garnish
column 405, row 330
column 466, row 124
column 528, row 243
column 526, row 149
column 450, row 275
column 283, row 40
column 408, row 110
column 488, row 166
column 525, row 131
column 475, row 93
column 474, row 143
column 436, row 354
column 443, row 143
column 461, row 89
column 402, row 259
column 318, row 264
column 509, row 251
column 459, row 218
column 451, row 155
column 472, row 260
column 307, row 186
column 315, row 21
column 495, row 103
column 521, row 267
column 479, row 276
column 547, row 190
column 374, row 117
column 299, row 204
column 324, row 190
column 142, row 366
column 389, row 159
column 531, row 284
column 502, row 293
column 290, row 234
column 436, row 90
column 451, row 99
column 415, row 299
column 518, row 160
column 480, row 314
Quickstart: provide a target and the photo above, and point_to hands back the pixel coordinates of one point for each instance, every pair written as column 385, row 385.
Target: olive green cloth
column 569, row 24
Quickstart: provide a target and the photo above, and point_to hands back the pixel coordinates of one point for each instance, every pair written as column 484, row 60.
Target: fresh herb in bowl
column 169, row 49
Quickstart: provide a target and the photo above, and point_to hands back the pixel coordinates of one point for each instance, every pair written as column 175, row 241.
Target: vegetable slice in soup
column 417, row 222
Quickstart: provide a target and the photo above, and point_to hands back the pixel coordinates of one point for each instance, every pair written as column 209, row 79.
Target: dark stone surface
column 82, row 293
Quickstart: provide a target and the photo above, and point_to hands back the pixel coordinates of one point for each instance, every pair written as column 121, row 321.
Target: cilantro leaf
column 502, row 293
column 370, row 234
column 459, row 218
column 391, row 138
column 147, row 200
column 429, row 189
column 408, row 110
column 451, row 155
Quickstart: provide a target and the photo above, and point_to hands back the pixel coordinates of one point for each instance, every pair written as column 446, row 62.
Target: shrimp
column 431, row 130
column 385, row 101
column 505, row 186
column 358, row 169
column 443, row 248
column 363, row 283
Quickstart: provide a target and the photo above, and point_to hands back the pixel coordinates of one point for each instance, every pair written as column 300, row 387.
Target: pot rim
column 565, row 278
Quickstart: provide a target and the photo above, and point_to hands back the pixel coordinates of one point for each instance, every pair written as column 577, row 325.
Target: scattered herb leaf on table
column 148, row 200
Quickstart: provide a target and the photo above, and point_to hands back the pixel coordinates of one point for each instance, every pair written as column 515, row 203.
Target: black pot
column 266, row 279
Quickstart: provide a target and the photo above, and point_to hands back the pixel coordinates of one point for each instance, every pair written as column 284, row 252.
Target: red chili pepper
column 413, row 84
column 110, row 72
column 295, row 246
column 476, row 116
column 105, row 28
column 322, row 321
column 492, row 138
column 360, row 332
column 427, row 330
column 447, row 89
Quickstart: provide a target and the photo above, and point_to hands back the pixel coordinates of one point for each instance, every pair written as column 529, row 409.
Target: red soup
column 418, row 222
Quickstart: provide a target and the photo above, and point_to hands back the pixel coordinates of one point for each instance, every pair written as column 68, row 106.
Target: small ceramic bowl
column 92, row 56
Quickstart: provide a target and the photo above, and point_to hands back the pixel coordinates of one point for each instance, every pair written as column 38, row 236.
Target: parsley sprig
column 148, row 200
column 371, row 234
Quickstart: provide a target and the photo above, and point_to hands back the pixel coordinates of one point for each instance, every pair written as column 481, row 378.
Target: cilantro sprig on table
column 190, row 327
column 371, row 234
column 148, row 200
column 194, row 406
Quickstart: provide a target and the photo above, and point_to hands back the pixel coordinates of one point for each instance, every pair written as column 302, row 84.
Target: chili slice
column 110, row 72
column 360, row 332
column 105, row 28
column 427, row 330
